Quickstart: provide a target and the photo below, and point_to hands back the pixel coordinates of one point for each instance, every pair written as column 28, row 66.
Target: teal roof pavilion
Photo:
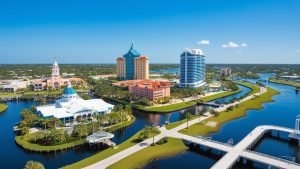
column 69, row 90
column 132, row 52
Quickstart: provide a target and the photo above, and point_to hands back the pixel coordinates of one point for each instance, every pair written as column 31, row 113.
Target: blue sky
column 238, row 31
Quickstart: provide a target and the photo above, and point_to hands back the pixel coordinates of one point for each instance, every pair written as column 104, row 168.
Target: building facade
column 192, row 68
column 141, row 68
column 150, row 89
column 132, row 65
column 226, row 71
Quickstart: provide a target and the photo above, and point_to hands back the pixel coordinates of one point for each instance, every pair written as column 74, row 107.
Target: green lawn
column 140, row 158
column 34, row 93
column 295, row 84
column 253, row 104
column 23, row 142
column 168, row 108
column 219, row 95
column 104, row 154
column 178, row 123
column 3, row 107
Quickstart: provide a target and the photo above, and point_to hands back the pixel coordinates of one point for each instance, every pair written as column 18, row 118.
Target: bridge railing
column 273, row 157
column 214, row 141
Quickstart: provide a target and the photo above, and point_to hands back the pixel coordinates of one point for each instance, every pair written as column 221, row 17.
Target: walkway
column 233, row 152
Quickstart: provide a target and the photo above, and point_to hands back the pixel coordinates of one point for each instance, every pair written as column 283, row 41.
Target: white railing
column 213, row 141
column 269, row 156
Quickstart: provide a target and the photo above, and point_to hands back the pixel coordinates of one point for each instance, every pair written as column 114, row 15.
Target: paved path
column 233, row 152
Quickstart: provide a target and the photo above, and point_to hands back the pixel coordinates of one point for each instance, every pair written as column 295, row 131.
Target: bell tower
column 55, row 70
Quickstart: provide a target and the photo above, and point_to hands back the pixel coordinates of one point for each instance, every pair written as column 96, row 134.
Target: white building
column 71, row 106
column 13, row 85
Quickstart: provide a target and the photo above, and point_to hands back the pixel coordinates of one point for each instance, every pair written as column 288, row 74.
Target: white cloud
column 244, row 45
column 203, row 42
column 233, row 45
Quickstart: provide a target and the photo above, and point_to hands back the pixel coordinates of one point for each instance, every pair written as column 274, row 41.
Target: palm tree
column 188, row 116
column 34, row 165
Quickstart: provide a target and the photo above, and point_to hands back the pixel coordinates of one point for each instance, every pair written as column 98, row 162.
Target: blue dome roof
column 69, row 90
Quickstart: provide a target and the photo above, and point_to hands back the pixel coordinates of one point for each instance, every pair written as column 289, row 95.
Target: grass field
column 3, row 107
column 140, row 158
column 253, row 104
column 295, row 84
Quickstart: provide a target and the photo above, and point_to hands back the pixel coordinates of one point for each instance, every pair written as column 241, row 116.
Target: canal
column 281, row 112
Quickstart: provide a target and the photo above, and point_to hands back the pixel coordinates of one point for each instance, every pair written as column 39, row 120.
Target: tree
column 188, row 116
column 34, row 165
column 80, row 130
column 23, row 126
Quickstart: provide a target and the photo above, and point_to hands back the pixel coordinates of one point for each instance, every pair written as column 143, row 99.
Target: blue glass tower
column 192, row 68
column 129, row 62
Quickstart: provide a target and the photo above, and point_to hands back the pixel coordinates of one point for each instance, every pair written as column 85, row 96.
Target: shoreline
column 288, row 83
column 23, row 142
column 3, row 107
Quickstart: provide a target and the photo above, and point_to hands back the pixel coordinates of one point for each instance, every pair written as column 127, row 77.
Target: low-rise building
column 13, row 85
column 225, row 72
column 150, row 89
column 71, row 106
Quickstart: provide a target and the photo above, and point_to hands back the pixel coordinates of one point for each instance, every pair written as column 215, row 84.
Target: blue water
column 282, row 112
column 244, row 92
column 168, row 70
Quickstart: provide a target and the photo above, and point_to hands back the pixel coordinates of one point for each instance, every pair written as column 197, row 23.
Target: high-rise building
column 141, row 68
column 121, row 70
column 132, row 65
column 192, row 68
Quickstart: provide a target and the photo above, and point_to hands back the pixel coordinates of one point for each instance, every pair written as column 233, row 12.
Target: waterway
column 282, row 112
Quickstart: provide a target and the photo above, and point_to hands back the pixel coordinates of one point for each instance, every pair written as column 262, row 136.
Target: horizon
column 229, row 32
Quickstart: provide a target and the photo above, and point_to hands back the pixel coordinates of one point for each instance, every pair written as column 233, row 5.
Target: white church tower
column 55, row 70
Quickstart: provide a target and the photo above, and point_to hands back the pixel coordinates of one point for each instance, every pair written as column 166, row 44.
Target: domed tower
column 69, row 93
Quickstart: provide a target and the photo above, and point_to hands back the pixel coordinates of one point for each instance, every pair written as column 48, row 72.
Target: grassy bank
column 225, row 116
column 180, row 122
column 217, row 96
column 104, row 154
column 3, row 107
column 23, row 141
column 295, row 84
column 168, row 108
column 143, row 157
column 255, row 89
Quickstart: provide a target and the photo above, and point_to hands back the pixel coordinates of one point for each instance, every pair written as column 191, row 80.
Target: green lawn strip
column 140, row 158
column 3, row 107
column 225, row 116
column 104, row 154
column 168, row 108
column 35, row 93
column 295, row 84
column 217, row 96
column 121, row 125
column 8, row 94
column 255, row 89
column 178, row 123
column 23, row 141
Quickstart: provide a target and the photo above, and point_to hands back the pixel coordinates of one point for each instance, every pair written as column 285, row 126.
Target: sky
column 228, row 31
